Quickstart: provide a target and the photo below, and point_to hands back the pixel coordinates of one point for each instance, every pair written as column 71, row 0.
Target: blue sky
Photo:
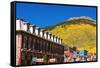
column 47, row 15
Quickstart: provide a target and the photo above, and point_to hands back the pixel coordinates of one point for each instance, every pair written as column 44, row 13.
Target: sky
column 43, row 15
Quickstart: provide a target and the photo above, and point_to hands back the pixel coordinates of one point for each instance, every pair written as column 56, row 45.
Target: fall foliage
column 80, row 33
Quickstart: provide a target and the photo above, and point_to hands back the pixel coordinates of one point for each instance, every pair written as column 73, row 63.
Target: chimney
column 41, row 32
column 26, row 26
column 31, row 28
column 51, row 37
column 60, row 41
column 47, row 34
column 55, row 39
column 36, row 30
column 19, row 24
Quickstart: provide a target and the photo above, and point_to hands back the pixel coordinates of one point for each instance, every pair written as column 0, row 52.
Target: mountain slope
column 76, row 32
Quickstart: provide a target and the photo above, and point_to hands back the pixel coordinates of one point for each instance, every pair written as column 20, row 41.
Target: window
column 24, row 41
column 29, row 42
column 33, row 43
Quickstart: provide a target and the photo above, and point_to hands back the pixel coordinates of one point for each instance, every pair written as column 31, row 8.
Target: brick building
column 36, row 46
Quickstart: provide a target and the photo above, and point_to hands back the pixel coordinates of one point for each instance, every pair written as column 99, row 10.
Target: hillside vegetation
column 76, row 32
